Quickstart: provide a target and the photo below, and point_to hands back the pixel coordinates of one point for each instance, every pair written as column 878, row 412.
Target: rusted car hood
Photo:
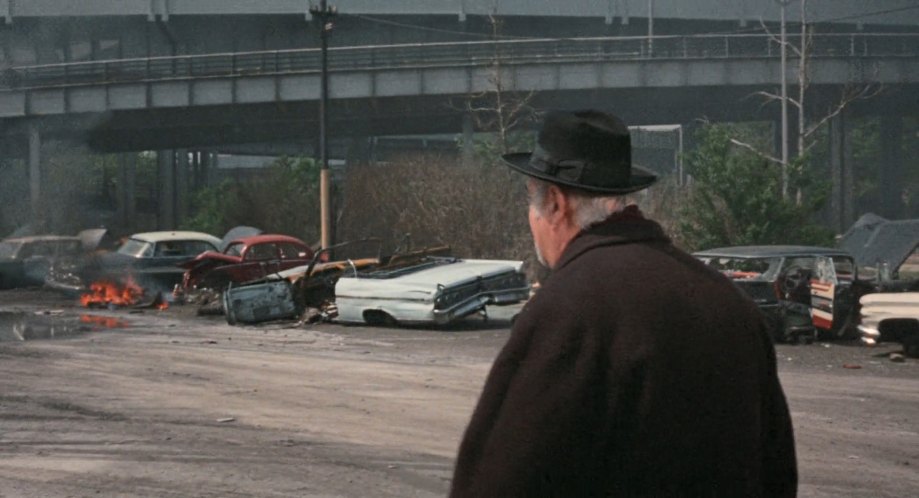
column 210, row 256
column 873, row 240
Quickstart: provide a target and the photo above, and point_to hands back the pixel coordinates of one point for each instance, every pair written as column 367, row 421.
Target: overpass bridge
column 271, row 96
column 205, row 101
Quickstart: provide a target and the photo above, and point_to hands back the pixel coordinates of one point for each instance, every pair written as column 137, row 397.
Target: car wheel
column 379, row 318
column 911, row 346
column 227, row 311
column 776, row 328
column 807, row 338
column 849, row 328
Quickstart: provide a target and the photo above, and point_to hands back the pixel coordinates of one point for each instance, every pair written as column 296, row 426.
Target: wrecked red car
column 245, row 259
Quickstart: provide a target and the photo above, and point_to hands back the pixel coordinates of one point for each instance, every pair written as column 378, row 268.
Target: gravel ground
column 162, row 404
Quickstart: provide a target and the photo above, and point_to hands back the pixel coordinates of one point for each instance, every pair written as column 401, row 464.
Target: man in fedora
column 635, row 370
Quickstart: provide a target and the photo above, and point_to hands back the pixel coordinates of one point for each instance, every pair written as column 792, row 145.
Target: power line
column 869, row 14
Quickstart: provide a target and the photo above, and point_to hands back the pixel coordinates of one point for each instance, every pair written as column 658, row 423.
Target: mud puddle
column 21, row 326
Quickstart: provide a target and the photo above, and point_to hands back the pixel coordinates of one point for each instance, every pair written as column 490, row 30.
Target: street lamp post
column 324, row 13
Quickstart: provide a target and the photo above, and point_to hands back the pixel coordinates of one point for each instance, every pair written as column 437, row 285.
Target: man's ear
column 556, row 203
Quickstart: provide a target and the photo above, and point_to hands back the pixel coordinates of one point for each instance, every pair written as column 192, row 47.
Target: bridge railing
column 508, row 52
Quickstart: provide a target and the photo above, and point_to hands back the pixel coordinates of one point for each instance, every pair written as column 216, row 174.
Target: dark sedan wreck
column 26, row 261
column 149, row 259
column 802, row 290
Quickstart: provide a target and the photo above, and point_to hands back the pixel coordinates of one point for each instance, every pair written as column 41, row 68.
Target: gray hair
column 589, row 209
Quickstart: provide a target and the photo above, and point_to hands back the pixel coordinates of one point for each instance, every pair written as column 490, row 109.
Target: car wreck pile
column 804, row 291
column 420, row 287
column 888, row 253
column 251, row 277
column 868, row 287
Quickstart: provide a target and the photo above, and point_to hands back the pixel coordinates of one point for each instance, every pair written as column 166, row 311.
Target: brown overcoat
column 634, row 371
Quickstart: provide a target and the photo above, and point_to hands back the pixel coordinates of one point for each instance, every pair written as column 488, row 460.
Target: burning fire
column 104, row 293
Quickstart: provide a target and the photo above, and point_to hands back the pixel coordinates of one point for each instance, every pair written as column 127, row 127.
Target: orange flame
column 104, row 292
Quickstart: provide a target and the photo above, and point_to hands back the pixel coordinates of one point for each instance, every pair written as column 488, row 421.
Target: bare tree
column 807, row 128
column 498, row 108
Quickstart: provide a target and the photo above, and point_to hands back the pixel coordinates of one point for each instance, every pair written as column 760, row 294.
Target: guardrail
column 509, row 52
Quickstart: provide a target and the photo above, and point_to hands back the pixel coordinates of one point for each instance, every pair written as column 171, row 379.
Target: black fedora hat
column 589, row 150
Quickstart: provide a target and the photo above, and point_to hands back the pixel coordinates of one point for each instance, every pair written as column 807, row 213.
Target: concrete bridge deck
column 197, row 100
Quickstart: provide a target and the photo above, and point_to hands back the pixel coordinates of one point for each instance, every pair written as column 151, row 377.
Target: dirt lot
column 165, row 404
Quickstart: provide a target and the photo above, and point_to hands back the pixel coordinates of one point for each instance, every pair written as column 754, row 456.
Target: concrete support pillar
column 182, row 185
column 890, row 175
column 127, row 191
column 197, row 180
column 211, row 176
column 842, row 202
column 35, row 198
column 165, row 166
column 468, row 138
column 200, row 170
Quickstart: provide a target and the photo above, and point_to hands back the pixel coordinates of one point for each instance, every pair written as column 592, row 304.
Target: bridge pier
column 127, row 191
column 842, row 202
column 890, row 172
column 181, row 186
column 35, row 178
column 166, row 200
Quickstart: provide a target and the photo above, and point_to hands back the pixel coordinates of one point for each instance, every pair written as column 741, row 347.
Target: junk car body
column 434, row 290
column 310, row 289
column 802, row 290
column 25, row 261
column 151, row 258
column 886, row 251
column 246, row 259
column 891, row 317
column 39, row 259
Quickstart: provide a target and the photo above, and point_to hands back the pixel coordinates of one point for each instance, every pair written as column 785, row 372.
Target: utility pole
column 784, row 101
column 650, row 27
column 324, row 13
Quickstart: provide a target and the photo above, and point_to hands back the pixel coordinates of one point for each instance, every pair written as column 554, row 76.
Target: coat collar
column 626, row 227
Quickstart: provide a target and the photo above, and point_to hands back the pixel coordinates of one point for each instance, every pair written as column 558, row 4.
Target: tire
column 227, row 312
column 911, row 346
column 379, row 318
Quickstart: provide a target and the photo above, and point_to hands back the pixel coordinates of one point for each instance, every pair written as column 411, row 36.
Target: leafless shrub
column 479, row 211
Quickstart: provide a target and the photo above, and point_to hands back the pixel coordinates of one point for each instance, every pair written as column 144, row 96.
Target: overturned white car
column 436, row 290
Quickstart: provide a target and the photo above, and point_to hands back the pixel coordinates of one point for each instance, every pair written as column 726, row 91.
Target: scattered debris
column 897, row 358
column 851, row 366
column 226, row 419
